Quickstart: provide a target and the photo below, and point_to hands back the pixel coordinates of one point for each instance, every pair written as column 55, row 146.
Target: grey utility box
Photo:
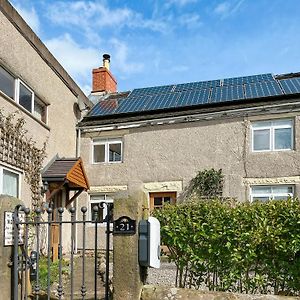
column 149, row 243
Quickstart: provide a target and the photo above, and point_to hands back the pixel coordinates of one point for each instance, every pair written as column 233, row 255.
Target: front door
column 157, row 200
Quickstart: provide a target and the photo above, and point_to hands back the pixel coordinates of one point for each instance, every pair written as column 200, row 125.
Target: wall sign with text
column 9, row 228
column 124, row 225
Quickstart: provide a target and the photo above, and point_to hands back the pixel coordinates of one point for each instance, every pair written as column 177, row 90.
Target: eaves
column 229, row 110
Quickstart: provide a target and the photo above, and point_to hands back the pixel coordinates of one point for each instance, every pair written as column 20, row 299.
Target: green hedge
column 231, row 246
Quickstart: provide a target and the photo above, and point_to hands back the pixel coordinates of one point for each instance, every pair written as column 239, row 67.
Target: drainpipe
column 78, row 137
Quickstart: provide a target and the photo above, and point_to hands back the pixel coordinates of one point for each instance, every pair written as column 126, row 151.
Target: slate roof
column 203, row 94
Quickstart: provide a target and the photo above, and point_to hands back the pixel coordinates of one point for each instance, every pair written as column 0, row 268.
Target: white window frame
column 34, row 98
column 14, row 172
column 272, row 194
column 272, row 129
column 106, row 143
column 107, row 199
column 17, row 94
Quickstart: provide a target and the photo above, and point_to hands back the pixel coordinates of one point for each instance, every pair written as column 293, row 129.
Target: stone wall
column 150, row 292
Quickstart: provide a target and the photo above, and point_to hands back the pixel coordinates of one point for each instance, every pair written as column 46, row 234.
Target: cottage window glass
column 107, row 151
column 99, row 153
column 95, row 200
column 274, row 135
column 25, row 97
column 9, row 182
column 7, row 83
column 277, row 192
column 115, row 151
column 40, row 110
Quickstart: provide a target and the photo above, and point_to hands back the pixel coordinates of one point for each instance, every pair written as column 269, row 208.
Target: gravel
column 165, row 275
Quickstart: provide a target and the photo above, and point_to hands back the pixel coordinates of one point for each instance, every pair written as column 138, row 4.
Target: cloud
column 180, row 2
column 123, row 60
column 77, row 60
column 30, row 16
column 91, row 15
column 227, row 9
column 191, row 21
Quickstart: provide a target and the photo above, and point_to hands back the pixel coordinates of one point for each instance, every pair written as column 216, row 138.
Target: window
column 40, row 110
column 25, row 96
column 18, row 91
column 102, row 212
column 272, row 135
column 9, row 182
column 7, row 83
column 158, row 200
column 107, row 151
column 273, row 192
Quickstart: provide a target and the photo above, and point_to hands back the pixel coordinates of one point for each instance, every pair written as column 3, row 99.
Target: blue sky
column 158, row 42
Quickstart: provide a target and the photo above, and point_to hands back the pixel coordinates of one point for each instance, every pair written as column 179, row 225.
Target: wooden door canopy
column 67, row 171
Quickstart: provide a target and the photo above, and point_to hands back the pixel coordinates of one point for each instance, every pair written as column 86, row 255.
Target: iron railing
column 27, row 266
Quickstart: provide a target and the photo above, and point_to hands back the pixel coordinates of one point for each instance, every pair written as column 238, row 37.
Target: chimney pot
column 103, row 80
column 106, row 56
column 106, row 61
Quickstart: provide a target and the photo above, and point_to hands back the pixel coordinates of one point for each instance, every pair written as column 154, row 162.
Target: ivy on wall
column 19, row 151
column 207, row 184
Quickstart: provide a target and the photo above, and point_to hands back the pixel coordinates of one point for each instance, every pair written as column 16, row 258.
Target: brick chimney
column 103, row 80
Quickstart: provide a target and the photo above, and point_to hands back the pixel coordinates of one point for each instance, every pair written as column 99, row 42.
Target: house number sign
column 9, row 229
column 124, row 225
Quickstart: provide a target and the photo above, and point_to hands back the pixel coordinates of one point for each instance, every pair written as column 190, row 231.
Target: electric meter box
column 149, row 243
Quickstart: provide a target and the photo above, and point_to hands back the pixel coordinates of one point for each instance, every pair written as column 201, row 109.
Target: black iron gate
column 26, row 258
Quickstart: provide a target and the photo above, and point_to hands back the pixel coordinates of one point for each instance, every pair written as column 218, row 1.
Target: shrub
column 207, row 184
column 231, row 246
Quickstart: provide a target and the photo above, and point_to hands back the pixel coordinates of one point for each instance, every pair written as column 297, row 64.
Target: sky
column 161, row 42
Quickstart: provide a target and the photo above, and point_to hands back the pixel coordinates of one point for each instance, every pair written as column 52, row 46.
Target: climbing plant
column 207, row 184
column 18, row 150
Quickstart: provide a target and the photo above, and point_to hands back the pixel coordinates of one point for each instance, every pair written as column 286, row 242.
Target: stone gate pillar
column 7, row 203
column 128, row 276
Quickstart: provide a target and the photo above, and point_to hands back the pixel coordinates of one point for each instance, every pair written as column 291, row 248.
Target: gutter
column 282, row 107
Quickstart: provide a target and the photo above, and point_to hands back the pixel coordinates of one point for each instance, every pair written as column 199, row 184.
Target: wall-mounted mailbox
column 149, row 243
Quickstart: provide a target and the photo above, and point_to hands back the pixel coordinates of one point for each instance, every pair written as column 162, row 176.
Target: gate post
column 7, row 203
column 127, row 274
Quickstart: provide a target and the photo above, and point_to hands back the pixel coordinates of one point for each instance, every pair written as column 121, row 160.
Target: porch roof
column 69, row 170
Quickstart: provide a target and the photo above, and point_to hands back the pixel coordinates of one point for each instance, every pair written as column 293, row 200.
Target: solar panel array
column 197, row 93
column 291, row 85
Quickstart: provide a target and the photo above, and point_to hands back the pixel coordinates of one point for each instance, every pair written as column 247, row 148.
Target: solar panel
column 197, row 93
column 227, row 93
column 248, row 79
column 290, row 85
column 196, row 85
column 262, row 89
column 151, row 90
column 105, row 107
column 133, row 104
column 162, row 101
column 189, row 98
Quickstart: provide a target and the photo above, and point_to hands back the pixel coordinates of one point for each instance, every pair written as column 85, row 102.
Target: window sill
column 18, row 106
column 107, row 163
column 273, row 151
